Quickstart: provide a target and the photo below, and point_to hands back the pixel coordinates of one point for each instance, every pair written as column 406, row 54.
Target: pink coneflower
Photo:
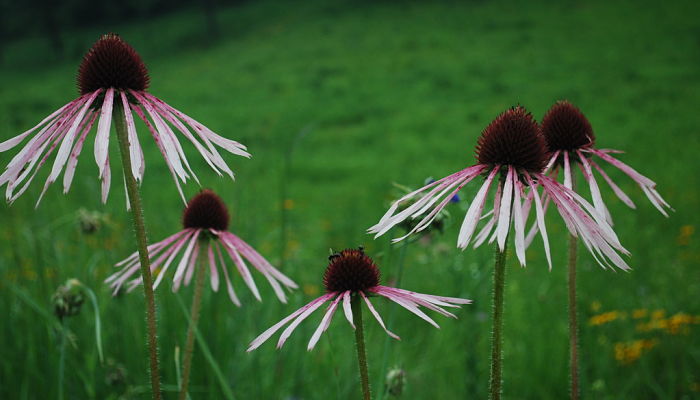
column 512, row 152
column 570, row 140
column 205, row 222
column 111, row 77
column 351, row 275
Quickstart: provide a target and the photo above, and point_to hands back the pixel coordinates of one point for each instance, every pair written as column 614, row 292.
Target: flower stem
column 360, row 342
column 141, row 245
column 573, row 319
column 499, row 278
column 194, row 317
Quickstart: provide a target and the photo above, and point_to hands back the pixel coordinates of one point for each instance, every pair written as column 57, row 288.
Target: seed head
column 112, row 62
column 350, row 270
column 513, row 138
column 564, row 127
column 206, row 211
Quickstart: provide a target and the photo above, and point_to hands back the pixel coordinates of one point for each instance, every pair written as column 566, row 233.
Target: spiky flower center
column 512, row 139
column 112, row 62
column 206, row 211
column 351, row 269
column 564, row 127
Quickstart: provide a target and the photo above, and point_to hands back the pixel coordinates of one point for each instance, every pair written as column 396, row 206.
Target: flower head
column 112, row 81
column 112, row 63
column 570, row 140
column 205, row 223
column 351, row 275
column 511, row 155
column 512, row 139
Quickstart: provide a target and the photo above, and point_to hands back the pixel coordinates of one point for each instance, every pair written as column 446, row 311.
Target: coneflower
column 570, row 141
column 202, row 242
column 510, row 152
column 352, row 277
column 112, row 82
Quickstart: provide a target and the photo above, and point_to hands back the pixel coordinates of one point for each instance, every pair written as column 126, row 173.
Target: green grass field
column 336, row 101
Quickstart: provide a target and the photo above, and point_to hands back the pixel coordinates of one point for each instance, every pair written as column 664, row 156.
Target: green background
column 337, row 100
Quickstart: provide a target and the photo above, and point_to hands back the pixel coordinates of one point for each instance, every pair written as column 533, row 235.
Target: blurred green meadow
column 336, row 101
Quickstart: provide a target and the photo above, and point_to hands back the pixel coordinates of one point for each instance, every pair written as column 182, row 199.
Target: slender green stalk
column 132, row 190
column 194, row 316
column 360, row 342
column 62, row 359
column 499, row 279
column 573, row 318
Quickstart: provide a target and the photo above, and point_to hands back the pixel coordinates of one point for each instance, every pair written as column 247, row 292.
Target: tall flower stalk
column 134, row 197
column 356, row 307
column 570, row 142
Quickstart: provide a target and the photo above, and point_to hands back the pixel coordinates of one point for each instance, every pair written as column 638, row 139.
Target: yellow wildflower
column 639, row 313
column 604, row 318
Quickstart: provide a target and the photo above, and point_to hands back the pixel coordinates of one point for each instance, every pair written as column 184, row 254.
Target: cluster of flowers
column 517, row 163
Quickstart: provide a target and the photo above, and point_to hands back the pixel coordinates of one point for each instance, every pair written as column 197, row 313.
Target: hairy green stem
column 194, row 316
column 573, row 318
column 132, row 190
column 499, row 278
column 360, row 342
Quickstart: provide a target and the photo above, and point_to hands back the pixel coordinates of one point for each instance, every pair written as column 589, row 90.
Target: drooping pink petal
column 423, row 203
column 102, row 136
column 159, row 144
column 259, row 262
column 427, row 220
column 518, row 223
column 73, row 160
column 378, row 317
column 229, row 286
column 135, row 152
column 21, row 165
column 475, row 208
column 486, row 229
column 432, row 298
column 347, row 308
column 504, row 214
column 305, row 314
column 230, row 145
column 67, row 144
column 214, row 160
column 618, row 192
column 54, row 139
column 409, row 305
column 240, row 265
column 419, row 300
column 568, row 178
column 180, row 271
column 325, row 322
column 593, row 185
column 213, row 272
column 313, row 305
column 540, row 219
column 106, row 180
column 161, row 130
column 11, row 143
